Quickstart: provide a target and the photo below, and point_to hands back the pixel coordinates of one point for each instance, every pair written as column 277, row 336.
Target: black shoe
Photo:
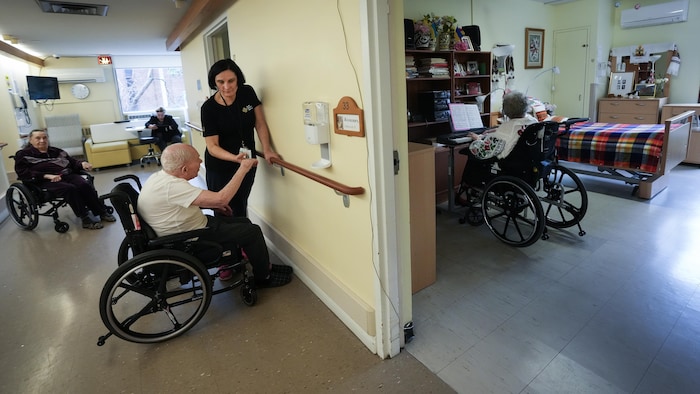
column 281, row 268
column 275, row 279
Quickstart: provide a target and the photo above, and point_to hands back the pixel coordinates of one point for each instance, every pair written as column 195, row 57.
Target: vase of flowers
column 423, row 35
column 443, row 29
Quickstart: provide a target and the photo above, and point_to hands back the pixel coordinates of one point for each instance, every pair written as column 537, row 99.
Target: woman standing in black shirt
column 229, row 117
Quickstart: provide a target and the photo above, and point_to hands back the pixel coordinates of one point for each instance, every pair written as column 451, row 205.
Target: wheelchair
column 163, row 285
column 519, row 196
column 27, row 200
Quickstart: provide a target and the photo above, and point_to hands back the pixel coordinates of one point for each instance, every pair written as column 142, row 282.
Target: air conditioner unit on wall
column 553, row 1
column 657, row 14
column 75, row 75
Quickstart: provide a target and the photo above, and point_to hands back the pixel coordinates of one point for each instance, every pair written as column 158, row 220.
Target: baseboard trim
column 356, row 314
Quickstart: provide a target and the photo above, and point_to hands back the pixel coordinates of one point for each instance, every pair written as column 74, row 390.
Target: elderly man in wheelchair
column 513, row 183
column 173, row 252
column 50, row 175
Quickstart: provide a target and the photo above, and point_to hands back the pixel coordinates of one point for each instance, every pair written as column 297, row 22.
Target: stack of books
column 433, row 67
column 411, row 69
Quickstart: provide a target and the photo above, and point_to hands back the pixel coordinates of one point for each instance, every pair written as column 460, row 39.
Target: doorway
column 570, row 54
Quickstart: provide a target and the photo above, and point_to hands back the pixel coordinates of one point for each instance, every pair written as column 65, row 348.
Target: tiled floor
column 289, row 342
column 615, row 311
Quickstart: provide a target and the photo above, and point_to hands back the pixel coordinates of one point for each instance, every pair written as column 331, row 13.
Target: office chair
column 145, row 137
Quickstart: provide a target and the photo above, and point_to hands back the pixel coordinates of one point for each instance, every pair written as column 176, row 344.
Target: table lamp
column 481, row 99
column 554, row 70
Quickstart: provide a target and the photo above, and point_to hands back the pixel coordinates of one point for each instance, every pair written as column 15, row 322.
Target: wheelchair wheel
column 564, row 198
column 125, row 253
column 170, row 294
column 512, row 211
column 61, row 227
column 23, row 206
column 249, row 294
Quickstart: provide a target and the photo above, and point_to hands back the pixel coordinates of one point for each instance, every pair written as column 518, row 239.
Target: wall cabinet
column 467, row 75
column 671, row 110
column 636, row 111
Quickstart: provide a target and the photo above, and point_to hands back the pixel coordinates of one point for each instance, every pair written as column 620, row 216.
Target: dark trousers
column 239, row 203
column 240, row 231
column 80, row 195
column 163, row 140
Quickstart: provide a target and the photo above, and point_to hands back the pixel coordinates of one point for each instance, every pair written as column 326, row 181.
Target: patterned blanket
column 622, row 146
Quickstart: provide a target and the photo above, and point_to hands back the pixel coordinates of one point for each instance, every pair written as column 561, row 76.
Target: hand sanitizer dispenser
column 317, row 130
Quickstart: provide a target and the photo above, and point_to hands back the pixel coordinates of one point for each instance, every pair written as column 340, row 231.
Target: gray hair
column 175, row 156
column 31, row 133
column 515, row 105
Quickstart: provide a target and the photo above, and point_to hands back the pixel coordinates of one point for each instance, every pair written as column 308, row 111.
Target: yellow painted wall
column 292, row 53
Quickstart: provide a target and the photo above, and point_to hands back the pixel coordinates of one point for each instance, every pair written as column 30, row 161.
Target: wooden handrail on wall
column 339, row 188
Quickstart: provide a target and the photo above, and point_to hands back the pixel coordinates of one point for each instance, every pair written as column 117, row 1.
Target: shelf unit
column 457, row 85
column 422, row 131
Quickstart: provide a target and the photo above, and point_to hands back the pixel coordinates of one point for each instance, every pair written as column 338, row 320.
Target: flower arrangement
column 439, row 24
column 436, row 28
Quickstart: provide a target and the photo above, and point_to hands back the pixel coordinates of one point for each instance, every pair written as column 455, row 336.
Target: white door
column 570, row 92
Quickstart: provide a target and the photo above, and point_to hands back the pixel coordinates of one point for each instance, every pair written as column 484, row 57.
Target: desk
column 451, row 172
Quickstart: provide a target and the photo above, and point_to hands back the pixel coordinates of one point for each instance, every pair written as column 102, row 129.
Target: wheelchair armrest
column 179, row 237
column 567, row 123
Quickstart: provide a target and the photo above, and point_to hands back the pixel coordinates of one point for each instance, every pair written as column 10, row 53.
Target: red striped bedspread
column 623, row 146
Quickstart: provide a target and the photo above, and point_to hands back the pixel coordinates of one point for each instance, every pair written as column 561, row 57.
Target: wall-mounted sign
column 348, row 118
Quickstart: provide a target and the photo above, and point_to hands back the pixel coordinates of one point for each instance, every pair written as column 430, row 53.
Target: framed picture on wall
column 534, row 47
column 621, row 84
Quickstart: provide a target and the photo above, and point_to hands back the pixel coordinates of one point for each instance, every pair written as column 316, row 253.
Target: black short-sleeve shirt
column 234, row 124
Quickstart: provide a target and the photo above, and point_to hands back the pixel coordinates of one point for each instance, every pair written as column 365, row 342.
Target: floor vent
column 60, row 7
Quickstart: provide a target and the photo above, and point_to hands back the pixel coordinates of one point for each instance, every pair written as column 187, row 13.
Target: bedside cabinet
column 624, row 110
column 670, row 110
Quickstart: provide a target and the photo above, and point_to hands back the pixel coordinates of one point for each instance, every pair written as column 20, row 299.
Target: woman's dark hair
column 223, row 65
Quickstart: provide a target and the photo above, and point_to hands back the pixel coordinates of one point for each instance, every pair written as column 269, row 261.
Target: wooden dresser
column 624, row 110
column 694, row 141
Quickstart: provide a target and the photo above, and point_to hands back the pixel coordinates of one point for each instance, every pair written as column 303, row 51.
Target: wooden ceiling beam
column 10, row 50
column 200, row 14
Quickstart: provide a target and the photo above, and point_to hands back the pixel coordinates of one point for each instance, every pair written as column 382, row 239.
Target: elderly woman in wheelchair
column 50, row 175
column 172, row 252
column 513, row 183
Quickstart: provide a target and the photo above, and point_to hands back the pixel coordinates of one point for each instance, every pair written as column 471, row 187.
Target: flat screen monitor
column 43, row 88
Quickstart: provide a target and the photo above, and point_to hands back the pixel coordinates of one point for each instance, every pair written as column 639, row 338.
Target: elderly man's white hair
column 175, row 156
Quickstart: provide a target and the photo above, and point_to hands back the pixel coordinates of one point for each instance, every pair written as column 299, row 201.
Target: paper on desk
column 465, row 116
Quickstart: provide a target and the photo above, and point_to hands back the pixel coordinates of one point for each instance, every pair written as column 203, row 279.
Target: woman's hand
column 269, row 154
column 52, row 177
column 86, row 166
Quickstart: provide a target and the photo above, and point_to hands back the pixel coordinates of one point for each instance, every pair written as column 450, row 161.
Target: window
column 143, row 89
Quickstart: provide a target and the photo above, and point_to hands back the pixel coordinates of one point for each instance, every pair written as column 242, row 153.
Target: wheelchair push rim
column 512, row 211
column 564, row 197
column 155, row 296
column 22, row 206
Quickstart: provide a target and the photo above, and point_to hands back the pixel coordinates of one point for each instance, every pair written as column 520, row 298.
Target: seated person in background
column 58, row 172
column 164, row 128
column 499, row 143
column 170, row 205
